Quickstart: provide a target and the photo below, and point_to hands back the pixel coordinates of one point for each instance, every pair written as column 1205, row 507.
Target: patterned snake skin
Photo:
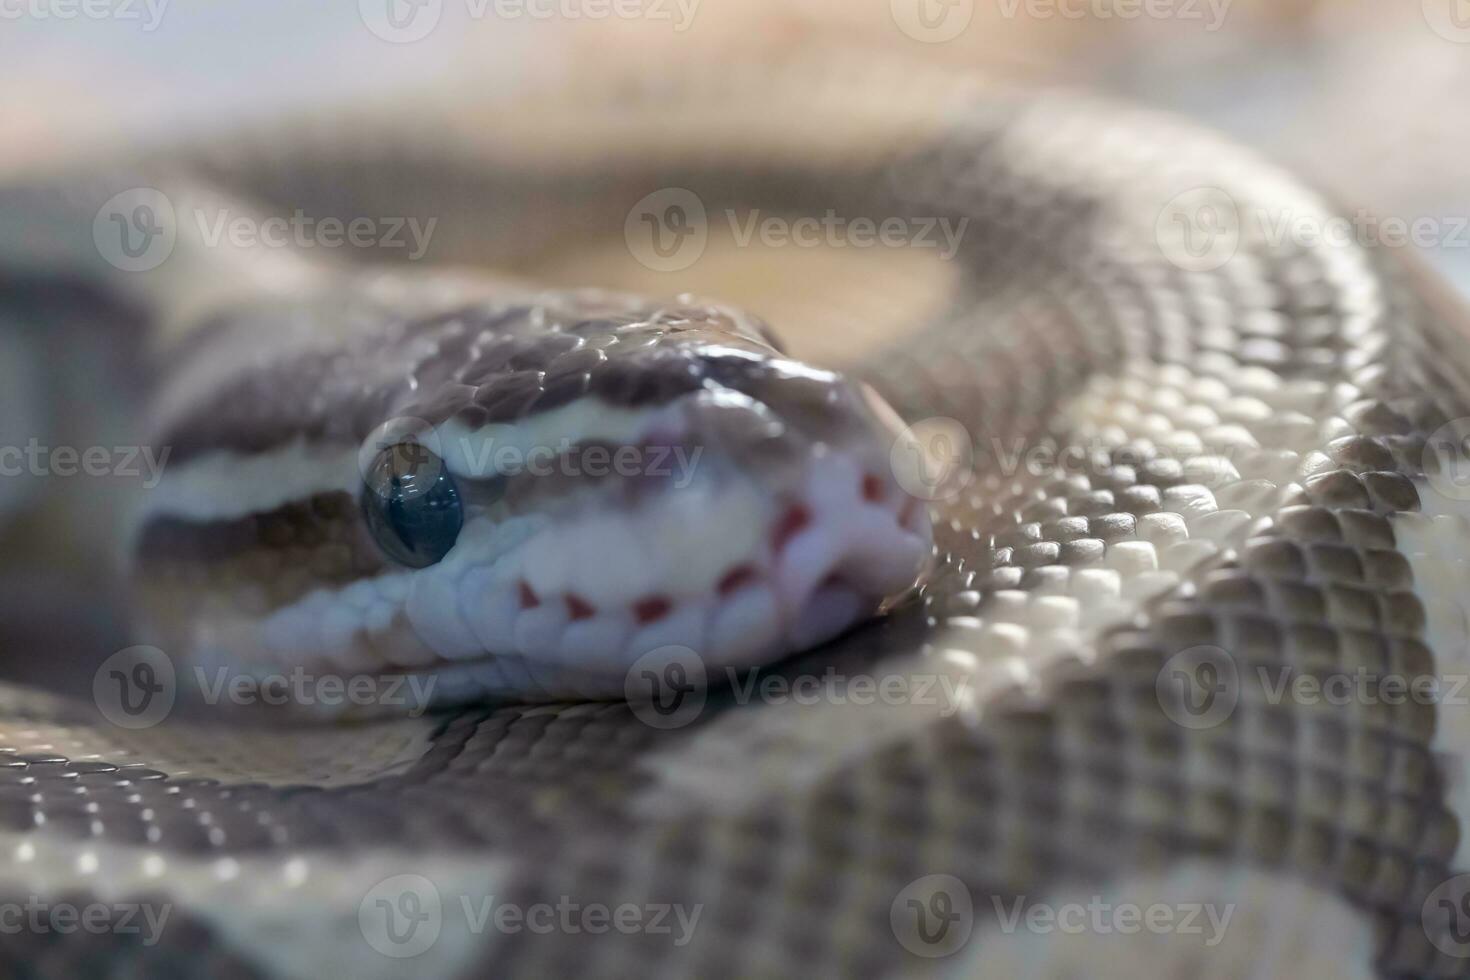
column 1202, row 463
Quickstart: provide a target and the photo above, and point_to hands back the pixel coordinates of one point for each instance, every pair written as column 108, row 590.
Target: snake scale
column 1202, row 464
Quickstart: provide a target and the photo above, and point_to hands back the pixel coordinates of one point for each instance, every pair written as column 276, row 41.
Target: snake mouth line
column 827, row 560
column 828, row 554
column 796, row 519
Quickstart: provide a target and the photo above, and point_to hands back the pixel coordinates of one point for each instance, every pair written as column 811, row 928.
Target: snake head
column 563, row 486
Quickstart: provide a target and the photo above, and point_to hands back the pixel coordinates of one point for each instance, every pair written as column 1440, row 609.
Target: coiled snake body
column 1197, row 470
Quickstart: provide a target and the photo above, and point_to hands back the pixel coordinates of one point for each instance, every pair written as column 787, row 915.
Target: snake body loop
column 1199, row 462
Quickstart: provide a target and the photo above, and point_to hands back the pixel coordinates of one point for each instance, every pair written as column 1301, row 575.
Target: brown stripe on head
column 496, row 361
column 255, row 563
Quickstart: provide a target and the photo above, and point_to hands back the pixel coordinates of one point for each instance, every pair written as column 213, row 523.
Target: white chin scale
column 539, row 608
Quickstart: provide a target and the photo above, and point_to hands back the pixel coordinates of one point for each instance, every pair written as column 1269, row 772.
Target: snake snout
column 767, row 521
column 787, row 527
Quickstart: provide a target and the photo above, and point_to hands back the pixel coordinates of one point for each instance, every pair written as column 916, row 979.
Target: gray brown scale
column 1077, row 775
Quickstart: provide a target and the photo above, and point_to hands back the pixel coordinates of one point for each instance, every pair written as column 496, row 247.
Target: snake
column 1008, row 513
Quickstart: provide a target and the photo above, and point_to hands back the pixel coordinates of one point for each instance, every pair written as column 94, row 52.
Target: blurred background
column 1366, row 97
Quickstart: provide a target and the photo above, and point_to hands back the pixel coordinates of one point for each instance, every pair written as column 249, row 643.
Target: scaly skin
column 1199, row 466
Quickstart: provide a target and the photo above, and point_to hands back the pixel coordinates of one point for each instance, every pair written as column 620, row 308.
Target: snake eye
column 411, row 505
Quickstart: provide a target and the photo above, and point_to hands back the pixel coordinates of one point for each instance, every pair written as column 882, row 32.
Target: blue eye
column 411, row 505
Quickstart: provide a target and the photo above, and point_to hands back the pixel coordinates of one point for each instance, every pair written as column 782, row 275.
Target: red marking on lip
column 872, row 489
column 791, row 523
column 579, row 608
column 906, row 515
column 651, row 609
column 529, row 599
column 735, row 578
